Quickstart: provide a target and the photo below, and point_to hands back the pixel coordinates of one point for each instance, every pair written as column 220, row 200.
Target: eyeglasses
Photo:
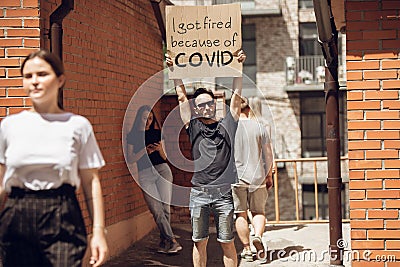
column 203, row 105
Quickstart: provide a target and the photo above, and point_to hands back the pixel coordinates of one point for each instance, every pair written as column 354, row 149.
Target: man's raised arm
column 184, row 106
column 237, row 90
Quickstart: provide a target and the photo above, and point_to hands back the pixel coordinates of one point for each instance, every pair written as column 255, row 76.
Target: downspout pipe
column 155, row 4
column 56, row 34
column 328, row 39
column 159, row 15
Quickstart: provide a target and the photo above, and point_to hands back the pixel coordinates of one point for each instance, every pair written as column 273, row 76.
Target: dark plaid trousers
column 43, row 228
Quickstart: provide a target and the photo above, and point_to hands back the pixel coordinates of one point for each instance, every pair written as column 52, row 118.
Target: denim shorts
column 202, row 203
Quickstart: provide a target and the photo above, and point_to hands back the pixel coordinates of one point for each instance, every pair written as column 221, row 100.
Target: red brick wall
column 110, row 49
column 181, row 177
column 19, row 35
column 373, row 67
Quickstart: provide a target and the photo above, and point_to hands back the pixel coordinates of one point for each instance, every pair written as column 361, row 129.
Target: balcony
column 308, row 72
column 254, row 7
column 246, row 4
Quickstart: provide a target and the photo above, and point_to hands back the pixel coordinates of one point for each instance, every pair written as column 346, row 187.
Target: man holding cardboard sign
column 212, row 143
column 205, row 41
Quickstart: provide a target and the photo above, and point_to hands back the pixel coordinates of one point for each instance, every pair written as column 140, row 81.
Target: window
column 312, row 123
column 249, row 46
column 306, row 4
column 323, row 207
column 308, row 40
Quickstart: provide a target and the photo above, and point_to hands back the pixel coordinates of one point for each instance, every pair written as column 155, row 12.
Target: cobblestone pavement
column 288, row 245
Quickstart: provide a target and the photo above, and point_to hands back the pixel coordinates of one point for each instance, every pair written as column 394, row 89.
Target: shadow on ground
column 144, row 252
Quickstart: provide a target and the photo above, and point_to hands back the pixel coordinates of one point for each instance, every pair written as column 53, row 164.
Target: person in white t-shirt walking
column 253, row 160
column 45, row 154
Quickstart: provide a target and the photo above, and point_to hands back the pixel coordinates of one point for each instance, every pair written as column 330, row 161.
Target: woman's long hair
column 136, row 124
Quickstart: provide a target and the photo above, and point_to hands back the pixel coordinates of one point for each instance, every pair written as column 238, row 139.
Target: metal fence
column 293, row 165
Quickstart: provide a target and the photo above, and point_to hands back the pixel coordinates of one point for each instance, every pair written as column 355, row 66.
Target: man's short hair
column 203, row 90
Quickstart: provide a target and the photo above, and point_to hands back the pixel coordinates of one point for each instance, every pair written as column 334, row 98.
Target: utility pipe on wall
column 56, row 33
column 155, row 4
column 328, row 38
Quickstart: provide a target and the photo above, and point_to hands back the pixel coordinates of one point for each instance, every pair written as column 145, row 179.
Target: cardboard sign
column 203, row 41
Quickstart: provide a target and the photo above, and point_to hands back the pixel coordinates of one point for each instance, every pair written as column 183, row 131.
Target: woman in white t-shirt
column 45, row 154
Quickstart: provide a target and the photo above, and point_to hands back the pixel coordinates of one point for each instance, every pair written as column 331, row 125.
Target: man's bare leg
column 200, row 253
column 230, row 257
column 242, row 229
column 259, row 227
column 259, row 224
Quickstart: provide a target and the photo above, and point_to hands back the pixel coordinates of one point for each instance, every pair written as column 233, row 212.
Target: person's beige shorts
column 253, row 199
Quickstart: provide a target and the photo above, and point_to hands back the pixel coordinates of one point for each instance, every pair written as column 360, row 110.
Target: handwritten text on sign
column 204, row 40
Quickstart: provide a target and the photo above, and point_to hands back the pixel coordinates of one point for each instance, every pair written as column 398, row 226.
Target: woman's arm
column 94, row 201
column 132, row 156
column 161, row 149
column 2, row 191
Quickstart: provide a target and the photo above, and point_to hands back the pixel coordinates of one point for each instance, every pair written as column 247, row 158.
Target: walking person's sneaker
column 162, row 247
column 257, row 243
column 246, row 254
column 169, row 247
column 174, row 247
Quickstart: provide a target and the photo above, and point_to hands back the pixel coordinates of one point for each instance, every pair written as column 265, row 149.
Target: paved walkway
column 288, row 245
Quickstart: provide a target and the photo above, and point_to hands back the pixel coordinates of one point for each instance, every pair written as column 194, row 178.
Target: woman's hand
column 98, row 246
column 158, row 146
column 154, row 147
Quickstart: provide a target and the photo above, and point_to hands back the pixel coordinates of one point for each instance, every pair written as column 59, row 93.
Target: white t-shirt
column 250, row 137
column 43, row 151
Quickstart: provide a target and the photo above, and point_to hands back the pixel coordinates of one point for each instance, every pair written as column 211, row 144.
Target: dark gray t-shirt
column 213, row 151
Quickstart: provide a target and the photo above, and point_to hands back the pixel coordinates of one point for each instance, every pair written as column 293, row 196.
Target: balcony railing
column 246, row 4
column 255, row 8
column 308, row 70
column 293, row 171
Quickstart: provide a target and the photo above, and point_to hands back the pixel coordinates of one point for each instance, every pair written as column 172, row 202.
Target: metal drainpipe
column 56, row 34
column 157, row 12
column 328, row 38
